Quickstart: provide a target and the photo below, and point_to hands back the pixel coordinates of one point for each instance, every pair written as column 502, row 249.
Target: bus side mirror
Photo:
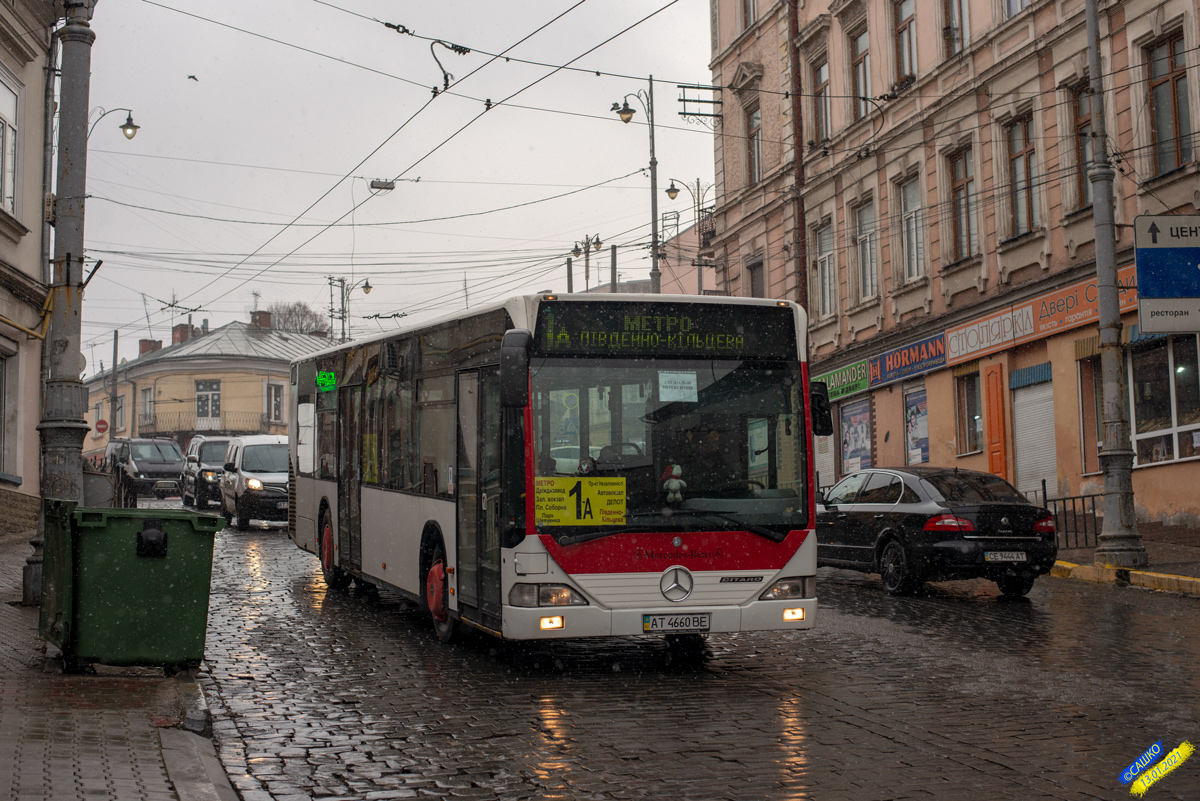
column 822, row 412
column 514, row 368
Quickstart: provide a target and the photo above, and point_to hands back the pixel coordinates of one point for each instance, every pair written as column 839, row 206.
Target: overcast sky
column 263, row 123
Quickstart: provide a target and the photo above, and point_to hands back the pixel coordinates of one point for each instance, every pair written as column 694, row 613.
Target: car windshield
column 973, row 488
column 156, row 452
column 271, row 458
column 677, row 445
column 213, row 452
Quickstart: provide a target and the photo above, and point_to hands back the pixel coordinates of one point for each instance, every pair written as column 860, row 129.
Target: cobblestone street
column 956, row 694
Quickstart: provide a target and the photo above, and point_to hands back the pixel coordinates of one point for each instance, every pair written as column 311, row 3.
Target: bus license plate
column 660, row 623
column 1004, row 556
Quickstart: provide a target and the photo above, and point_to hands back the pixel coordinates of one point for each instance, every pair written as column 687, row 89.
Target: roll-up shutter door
column 1033, row 432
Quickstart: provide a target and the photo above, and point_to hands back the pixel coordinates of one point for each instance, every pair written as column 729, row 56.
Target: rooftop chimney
column 180, row 333
column 260, row 318
column 204, row 326
column 148, row 346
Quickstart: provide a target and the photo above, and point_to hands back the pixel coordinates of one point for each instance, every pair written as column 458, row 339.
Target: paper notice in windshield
column 572, row 501
column 676, row 386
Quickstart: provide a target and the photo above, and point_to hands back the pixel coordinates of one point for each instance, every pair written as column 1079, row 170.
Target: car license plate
column 698, row 621
column 283, row 505
column 1004, row 556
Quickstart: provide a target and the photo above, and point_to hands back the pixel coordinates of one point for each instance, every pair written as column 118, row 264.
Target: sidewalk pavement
column 1172, row 555
column 116, row 735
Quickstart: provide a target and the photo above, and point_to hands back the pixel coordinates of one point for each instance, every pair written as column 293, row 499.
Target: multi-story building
column 949, row 260
column 230, row 380
column 25, row 47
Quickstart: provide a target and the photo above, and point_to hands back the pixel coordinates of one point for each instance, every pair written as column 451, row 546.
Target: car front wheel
column 895, row 570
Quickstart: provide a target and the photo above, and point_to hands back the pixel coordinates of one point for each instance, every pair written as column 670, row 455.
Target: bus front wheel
column 437, row 594
column 335, row 577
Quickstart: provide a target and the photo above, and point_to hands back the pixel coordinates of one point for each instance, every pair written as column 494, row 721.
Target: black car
column 918, row 524
column 200, row 481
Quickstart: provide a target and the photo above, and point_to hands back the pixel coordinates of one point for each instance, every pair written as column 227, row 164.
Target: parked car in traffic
column 918, row 524
column 254, row 484
column 151, row 465
column 200, row 482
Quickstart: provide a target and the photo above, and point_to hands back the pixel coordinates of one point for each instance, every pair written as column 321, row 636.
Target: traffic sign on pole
column 1167, row 249
column 101, row 426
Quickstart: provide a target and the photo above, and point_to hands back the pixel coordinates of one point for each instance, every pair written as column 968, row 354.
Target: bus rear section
column 569, row 467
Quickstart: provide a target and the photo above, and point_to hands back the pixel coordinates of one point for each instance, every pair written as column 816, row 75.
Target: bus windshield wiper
column 727, row 518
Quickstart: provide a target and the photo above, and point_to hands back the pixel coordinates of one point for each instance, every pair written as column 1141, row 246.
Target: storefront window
column 856, row 436
column 1166, row 400
column 916, row 427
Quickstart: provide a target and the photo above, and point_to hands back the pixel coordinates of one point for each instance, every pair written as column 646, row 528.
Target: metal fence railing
column 1075, row 520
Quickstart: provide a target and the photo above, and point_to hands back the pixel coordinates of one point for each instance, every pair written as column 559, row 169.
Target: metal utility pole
column 1119, row 544
column 570, row 277
column 64, row 400
column 112, row 394
column 612, row 286
column 646, row 98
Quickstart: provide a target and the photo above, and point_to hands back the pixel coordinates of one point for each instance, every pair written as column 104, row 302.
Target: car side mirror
column 192, row 459
column 822, row 412
column 821, row 497
column 229, row 467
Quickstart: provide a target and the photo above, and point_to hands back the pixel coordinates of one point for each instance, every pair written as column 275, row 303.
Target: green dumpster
column 126, row 586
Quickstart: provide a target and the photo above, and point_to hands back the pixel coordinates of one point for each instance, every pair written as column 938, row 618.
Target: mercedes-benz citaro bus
column 569, row 466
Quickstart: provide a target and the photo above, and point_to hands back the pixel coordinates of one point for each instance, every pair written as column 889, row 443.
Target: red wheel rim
column 435, row 591
column 327, row 547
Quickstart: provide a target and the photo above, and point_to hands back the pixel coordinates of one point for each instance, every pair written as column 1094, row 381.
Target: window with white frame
column 754, row 145
column 1170, row 116
column 905, row 12
column 146, row 415
column 1013, row 7
column 962, row 205
column 1021, row 173
column 208, row 405
column 821, row 101
column 827, row 296
column 911, row 252
column 860, row 68
column 1165, row 395
column 8, row 149
column 118, row 414
column 953, row 32
column 864, row 240
column 275, row 402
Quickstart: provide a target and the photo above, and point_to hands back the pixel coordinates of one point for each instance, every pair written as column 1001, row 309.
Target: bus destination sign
column 617, row 328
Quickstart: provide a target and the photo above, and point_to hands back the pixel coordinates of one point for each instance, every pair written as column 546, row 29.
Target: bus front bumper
column 546, row 623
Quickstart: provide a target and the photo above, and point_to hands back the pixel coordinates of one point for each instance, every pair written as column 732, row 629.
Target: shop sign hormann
column 1060, row 310
column 846, row 380
column 912, row 359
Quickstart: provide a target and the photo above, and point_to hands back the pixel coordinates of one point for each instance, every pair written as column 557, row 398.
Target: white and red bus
column 569, row 466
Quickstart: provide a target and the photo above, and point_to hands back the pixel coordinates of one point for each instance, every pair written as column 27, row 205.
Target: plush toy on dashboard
column 673, row 485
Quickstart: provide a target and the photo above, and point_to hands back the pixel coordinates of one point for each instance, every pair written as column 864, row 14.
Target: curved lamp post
column 129, row 128
column 345, row 299
column 590, row 243
column 626, row 112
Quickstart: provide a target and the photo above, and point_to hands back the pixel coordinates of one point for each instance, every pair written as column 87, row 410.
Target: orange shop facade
column 1016, row 391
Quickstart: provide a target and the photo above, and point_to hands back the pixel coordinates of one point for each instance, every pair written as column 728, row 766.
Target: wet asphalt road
column 956, row 694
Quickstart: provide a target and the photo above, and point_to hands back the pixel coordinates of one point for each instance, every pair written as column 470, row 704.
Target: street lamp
column 344, row 296
column 625, row 112
column 129, row 128
column 590, row 243
column 697, row 192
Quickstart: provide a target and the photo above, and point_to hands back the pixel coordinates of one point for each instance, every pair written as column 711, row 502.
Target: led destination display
column 572, row 328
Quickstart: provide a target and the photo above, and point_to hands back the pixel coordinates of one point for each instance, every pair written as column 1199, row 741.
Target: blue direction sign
column 1168, row 272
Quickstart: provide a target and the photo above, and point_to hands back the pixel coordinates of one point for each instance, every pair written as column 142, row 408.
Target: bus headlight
column 544, row 595
column 789, row 588
column 253, row 483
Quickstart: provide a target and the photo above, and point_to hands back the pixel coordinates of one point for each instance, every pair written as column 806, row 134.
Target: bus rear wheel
column 335, row 577
column 437, row 594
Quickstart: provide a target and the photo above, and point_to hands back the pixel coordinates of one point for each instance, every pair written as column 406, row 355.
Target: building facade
column 25, row 58
column 949, row 259
column 229, row 381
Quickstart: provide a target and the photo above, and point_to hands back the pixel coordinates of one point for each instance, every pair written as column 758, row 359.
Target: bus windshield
column 657, row 444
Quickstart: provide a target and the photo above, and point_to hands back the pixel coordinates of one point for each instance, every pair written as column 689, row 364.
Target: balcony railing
column 232, row 423
column 707, row 227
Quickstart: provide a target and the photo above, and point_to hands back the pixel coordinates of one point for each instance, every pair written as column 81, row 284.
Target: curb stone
column 1121, row 576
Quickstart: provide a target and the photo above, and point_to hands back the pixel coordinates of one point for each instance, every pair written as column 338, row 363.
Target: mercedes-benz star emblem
column 676, row 583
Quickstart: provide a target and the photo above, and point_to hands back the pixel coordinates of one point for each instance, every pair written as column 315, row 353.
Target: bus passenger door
column 350, row 478
column 478, row 490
